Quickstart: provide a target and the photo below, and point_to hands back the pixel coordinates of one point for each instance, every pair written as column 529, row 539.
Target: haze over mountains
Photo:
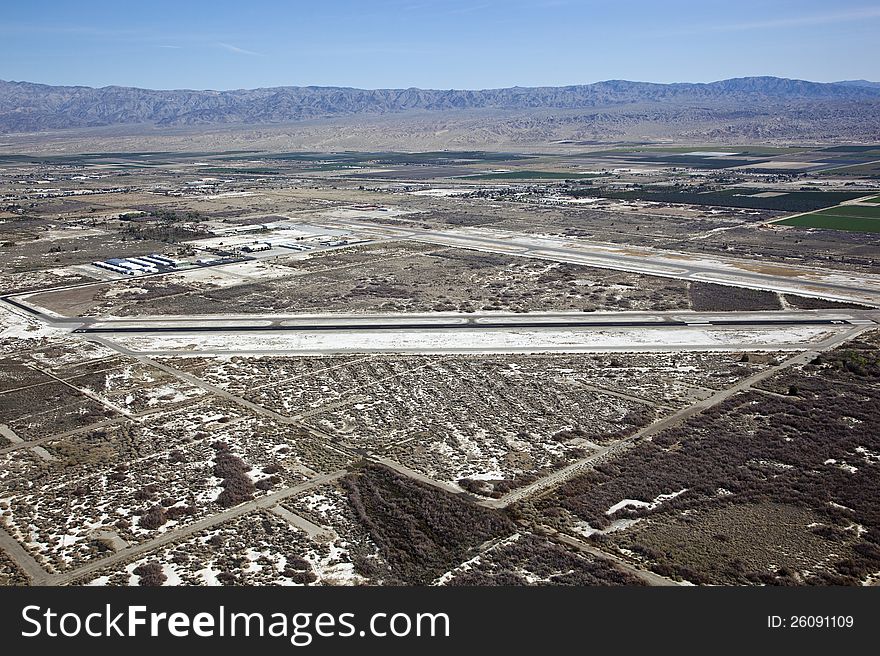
column 752, row 107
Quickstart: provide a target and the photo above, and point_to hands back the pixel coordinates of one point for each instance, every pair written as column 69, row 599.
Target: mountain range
column 30, row 107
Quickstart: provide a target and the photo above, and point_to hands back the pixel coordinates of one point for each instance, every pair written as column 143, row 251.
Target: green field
column 875, row 199
column 855, row 218
column 532, row 175
column 874, row 148
column 853, row 211
column 834, row 223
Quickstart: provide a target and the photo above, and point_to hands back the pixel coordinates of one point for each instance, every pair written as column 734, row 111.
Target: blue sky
column 433, row 43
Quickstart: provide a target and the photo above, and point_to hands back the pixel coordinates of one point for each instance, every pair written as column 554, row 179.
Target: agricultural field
column 535, row 175
column 857, row 218
column 870, row 170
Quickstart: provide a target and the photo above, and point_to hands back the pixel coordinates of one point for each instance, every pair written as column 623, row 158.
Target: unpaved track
column 566, row 473
column 184, row 532
column 23, row 559
column 647, row 577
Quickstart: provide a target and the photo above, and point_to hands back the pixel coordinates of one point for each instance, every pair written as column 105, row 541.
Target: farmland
column 535, row 175
column 859, row 218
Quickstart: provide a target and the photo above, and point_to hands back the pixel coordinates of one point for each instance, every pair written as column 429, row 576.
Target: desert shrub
column 548, row 561
column 711, row 297
column 153, row 518
column 227, row 578
column 761, row 448
column 420, row 531
column 150, row 574
column 809, row 303
column 303, row 578
column 237, row 485
column 146, row 493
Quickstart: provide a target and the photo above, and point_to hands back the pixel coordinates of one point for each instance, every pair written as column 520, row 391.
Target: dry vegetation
column 777, row 485
column 383, row 278
column 812, row 452
column 256, row 549
column 709, row 297
column 10, row 573
column 421, row 532
column 486, row 423
column 526, row 559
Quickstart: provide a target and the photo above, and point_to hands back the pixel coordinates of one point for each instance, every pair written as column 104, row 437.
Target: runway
column 485, row 322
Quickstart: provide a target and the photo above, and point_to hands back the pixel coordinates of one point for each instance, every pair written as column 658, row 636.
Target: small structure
column 256, row 247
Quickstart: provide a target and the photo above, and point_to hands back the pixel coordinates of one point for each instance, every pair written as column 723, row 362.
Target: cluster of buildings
column 258, row 246
column 133, row 266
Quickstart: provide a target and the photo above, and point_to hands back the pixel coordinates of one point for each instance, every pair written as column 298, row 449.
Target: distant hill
column 865, row 84
column 28, row 107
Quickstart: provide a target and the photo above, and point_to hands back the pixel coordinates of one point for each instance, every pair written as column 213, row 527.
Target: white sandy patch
column 230, row 194
column 647, row 505
column 16, row 326
column 442, row 192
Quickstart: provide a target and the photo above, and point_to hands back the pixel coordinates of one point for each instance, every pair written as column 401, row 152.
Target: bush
column 153, row 518
column 237, row 485
column 150, row 574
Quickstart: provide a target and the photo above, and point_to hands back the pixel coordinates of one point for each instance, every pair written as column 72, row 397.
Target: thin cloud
column 239, row 51
column 470, row 8
column 171, row 47
column 791, row 21
column 820, row 19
